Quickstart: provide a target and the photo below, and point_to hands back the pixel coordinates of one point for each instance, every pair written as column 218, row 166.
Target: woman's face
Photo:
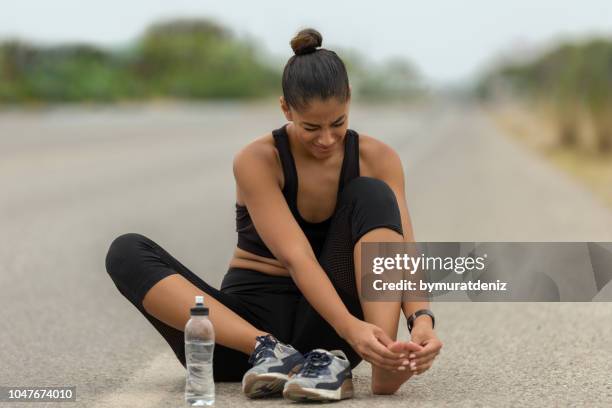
column 320, row 128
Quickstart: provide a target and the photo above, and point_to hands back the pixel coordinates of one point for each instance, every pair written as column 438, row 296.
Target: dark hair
column 313, row 72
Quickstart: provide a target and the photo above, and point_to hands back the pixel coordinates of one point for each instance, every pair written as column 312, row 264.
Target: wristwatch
column 417, row 314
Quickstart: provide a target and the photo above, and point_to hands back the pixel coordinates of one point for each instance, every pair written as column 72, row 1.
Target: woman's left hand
column 424, row 335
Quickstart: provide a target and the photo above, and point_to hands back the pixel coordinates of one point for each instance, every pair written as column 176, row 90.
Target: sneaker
column 325, row 376
column 273, row 363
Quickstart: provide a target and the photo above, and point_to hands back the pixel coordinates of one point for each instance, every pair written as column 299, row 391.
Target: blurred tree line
column 572, row 84
column 394, row 79
column 183, row 59
column 190, row 59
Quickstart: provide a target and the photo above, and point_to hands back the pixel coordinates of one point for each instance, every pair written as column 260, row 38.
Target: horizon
column 520, row 28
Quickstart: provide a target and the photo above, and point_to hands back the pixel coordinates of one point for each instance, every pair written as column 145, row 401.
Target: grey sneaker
column 325, row 376
column 273, row 363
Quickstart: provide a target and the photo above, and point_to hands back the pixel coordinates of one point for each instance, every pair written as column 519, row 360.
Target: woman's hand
column 424, row 335
column 370, row 342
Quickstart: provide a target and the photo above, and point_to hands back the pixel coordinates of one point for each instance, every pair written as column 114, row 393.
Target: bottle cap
column 199, row 309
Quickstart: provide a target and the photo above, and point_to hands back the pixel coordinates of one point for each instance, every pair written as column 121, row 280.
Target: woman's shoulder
column 259, row 153
column 260, row 148
column 376, row 157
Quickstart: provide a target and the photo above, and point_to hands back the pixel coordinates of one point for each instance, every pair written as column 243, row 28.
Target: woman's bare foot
column 388, row 382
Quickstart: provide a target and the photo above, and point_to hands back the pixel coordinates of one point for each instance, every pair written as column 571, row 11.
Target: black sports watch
column 417, row 314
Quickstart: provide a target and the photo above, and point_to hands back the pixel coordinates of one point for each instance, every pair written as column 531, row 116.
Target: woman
column 293, row 278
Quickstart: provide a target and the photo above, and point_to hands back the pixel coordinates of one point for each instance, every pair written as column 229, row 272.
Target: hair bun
column 306, row 41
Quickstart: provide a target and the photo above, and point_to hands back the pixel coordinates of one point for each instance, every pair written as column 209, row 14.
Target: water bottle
column 199, row 347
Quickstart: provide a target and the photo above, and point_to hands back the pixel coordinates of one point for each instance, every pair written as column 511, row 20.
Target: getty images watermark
column 487, row 271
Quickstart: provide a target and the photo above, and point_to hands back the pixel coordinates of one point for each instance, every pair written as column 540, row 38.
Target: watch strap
column 418, row 313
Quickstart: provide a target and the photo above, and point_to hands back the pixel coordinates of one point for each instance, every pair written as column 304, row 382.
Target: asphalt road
column 72, row 179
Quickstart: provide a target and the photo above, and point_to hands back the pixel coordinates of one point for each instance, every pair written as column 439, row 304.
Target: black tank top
column 249, row 239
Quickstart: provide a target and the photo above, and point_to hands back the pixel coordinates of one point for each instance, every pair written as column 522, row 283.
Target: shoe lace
column 264, row 349
column 315, row 363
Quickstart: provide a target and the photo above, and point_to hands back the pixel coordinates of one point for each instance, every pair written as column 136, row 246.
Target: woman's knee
column 374, row 204
column 122, row 251
column 369, row 190
column 122, row 247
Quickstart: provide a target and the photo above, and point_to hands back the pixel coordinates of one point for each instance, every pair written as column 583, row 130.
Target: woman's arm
column 254, row 169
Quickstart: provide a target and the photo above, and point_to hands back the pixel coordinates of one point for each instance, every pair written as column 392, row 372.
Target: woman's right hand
column 370, row 342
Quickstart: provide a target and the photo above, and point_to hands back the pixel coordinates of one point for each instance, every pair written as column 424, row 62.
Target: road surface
column 72, row 179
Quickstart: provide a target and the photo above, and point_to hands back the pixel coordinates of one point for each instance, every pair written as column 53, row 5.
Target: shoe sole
column 295, row 392
column 263, row 385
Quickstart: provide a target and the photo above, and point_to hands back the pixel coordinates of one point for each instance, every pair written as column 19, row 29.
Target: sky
column 448, row 41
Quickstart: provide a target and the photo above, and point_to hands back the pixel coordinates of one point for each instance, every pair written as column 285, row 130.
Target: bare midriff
column 248, row 260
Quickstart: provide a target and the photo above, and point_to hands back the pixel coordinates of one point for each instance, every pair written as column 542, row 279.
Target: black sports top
column 249, row 239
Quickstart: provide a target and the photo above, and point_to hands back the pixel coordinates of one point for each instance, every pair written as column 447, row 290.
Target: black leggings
column 270, row 303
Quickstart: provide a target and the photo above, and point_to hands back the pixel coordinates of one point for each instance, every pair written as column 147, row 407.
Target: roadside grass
column 538, row 133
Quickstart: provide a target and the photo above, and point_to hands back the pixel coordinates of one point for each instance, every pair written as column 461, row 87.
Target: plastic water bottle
column 199, row 347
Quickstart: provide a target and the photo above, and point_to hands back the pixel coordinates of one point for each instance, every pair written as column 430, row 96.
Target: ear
column 285, row 108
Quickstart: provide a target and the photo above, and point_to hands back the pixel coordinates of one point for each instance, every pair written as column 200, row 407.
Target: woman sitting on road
column 288, row 316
